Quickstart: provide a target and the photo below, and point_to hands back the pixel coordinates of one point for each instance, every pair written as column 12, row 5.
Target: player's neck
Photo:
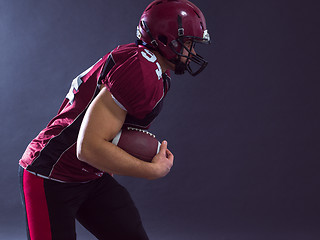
column 164, row 63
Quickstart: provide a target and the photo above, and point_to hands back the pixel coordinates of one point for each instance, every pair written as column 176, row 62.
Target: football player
column 64, row 171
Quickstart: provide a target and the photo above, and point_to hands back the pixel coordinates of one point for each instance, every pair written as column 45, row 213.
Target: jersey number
column 147, row 54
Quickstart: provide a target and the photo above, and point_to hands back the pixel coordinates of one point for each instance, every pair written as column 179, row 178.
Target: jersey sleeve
column 135, row 86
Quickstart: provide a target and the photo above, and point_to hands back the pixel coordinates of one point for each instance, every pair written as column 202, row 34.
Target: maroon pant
column 102, row 206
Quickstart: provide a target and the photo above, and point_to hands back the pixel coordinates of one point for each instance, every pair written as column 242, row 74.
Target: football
column 137, row 142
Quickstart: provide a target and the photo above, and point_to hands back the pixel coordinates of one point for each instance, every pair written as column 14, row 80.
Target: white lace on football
column 141, row 130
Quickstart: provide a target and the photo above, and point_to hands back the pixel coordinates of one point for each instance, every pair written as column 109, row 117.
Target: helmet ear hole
column 163, row 39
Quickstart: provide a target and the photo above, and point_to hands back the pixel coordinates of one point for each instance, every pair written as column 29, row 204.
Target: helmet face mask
column 166, row 25
column 192, row 60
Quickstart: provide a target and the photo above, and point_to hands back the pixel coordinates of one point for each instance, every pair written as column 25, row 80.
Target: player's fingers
column 169, row 154
column 163, row 147
column 170, row 158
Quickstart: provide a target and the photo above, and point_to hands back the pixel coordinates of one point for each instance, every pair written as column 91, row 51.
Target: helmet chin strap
column 181, row 67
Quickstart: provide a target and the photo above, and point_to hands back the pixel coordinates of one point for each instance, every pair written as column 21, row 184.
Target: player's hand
column 163, row 161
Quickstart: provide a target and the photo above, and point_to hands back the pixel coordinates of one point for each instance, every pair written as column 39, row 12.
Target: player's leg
column 110, row 212
column 48, row 218
column 21, row 173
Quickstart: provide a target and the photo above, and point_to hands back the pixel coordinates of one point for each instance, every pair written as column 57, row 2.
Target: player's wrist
column 152, row 172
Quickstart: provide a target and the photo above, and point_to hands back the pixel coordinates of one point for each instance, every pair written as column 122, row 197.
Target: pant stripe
column 36, row 207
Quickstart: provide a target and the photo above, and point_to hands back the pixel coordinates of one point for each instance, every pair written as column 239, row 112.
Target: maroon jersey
column 133, row 76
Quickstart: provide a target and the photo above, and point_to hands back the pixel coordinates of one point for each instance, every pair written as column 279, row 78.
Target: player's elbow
column 81, row 153
column 84, row 151
column 90, row 150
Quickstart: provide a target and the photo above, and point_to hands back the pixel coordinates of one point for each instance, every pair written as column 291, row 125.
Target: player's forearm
column 105, row 156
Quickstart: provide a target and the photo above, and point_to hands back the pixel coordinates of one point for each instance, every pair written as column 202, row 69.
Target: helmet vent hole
column 163, row 39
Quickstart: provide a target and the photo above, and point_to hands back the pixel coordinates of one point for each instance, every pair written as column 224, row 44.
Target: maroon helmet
column 166, row 25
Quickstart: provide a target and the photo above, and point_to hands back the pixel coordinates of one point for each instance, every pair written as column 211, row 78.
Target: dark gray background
column 245, row 133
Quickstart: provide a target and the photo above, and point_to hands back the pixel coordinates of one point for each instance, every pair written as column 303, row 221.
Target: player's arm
column 101, row 123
